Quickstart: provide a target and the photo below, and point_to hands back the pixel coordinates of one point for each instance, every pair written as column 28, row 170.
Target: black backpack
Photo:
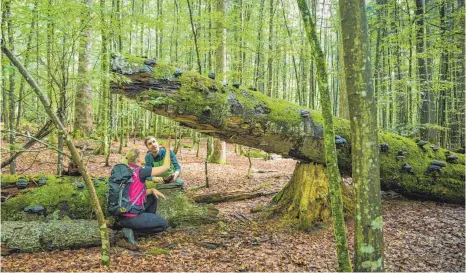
column 118, row 201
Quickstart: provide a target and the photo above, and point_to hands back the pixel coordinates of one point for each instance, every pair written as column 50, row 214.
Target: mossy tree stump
column 305, row 200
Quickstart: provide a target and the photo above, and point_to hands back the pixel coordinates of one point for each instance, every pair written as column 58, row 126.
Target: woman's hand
column 157, row 179
column 156, row 193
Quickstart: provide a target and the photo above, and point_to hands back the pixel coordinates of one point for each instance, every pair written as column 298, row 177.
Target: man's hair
column 147, row 139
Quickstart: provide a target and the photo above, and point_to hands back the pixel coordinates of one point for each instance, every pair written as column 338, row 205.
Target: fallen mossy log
column 229, row 196
column 20, row 236
column 238, row 114
column 66, row 198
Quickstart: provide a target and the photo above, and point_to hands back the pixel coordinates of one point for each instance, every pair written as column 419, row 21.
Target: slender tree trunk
column 364, row 147
column 426, row 94
column 12, row 87
column 343, row 111
column 258, row 77
column 26, row 63
column 105, row 84
column 195, row 37
column 219, row 147
column 270, row 53
column 105, row 258
column 329, row 140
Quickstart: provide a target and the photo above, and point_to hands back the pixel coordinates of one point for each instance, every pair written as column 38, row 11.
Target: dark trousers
column 147, row 222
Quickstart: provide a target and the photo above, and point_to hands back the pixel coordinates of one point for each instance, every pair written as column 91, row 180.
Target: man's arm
column 174, row 160
column 149, row 163
column 176, row 166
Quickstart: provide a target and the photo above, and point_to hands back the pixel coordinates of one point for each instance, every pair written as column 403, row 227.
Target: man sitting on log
column 154, row 158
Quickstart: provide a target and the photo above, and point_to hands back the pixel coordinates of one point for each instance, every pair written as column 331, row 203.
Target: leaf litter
column 418, row 236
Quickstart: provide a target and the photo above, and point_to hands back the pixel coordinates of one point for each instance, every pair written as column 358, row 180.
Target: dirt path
column 419, row 236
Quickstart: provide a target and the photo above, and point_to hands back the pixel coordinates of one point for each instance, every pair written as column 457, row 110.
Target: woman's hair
column 130, row 156
column 147, row 139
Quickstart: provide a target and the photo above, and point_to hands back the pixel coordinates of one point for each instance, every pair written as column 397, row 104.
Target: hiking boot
column 129, row 235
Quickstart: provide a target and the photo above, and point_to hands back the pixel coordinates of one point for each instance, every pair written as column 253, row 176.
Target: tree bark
column 41, row 236
column 368, row 236
column 12, row 88
column 219, row 147
column 249, row 118
column 83, row 125
column 104, row 84
column 305, row 196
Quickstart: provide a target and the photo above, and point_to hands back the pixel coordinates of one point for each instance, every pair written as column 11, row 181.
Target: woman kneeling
column 147, row 222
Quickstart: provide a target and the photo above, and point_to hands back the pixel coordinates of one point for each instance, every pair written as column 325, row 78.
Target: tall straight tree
column 104, row 84
column 83, row 121
column 333, row 173
column 12, row 86
column 368, row 236
column 219, row 153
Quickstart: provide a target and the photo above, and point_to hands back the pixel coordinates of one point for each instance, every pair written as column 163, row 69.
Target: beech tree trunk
column 368, row 235
column 247, row 117
column 83, row 118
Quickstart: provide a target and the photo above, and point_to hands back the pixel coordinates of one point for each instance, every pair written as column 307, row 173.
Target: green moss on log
column 61, row 197
column 39, row 236
column 63, row 200
column 446, row 186
column 246, row 117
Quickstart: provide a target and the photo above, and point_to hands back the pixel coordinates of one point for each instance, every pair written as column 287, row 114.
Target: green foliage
column 164, row 71
column 256, row 154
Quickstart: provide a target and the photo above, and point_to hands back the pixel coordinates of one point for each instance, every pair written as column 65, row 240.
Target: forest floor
column 418, row 236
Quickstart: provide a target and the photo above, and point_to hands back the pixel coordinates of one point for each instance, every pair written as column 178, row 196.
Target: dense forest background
column 417, row 50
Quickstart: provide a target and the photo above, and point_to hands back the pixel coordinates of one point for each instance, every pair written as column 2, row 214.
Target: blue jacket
column 174, row 166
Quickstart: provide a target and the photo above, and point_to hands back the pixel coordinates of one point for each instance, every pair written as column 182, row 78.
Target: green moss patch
column 164, row 71
column 63, row 199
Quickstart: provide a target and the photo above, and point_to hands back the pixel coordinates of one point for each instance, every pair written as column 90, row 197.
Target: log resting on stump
column 243, row 116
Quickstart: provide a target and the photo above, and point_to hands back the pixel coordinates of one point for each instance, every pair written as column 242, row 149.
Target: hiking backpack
column 118, row 200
